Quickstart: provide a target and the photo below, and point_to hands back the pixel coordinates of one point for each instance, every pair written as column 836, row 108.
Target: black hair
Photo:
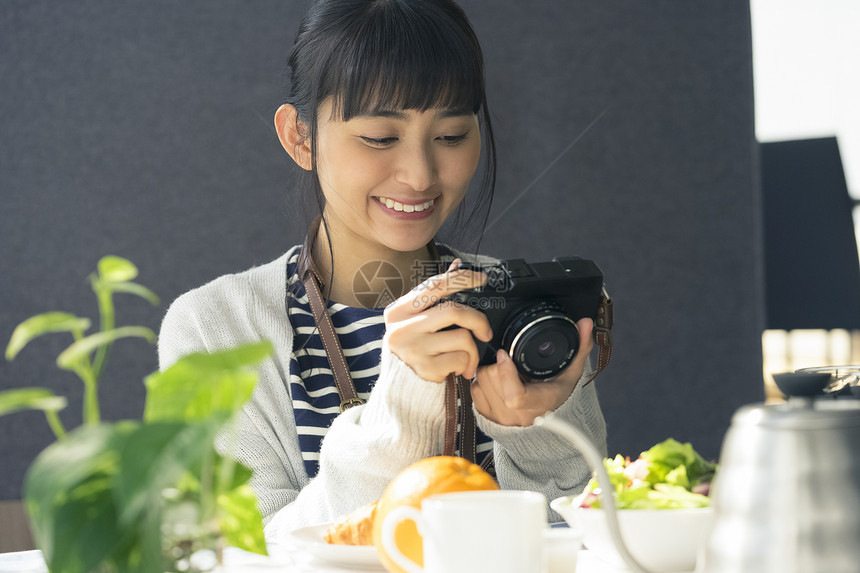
column 369, row 55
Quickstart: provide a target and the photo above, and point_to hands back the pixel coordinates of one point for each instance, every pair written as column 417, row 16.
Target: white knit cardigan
column 366, row 446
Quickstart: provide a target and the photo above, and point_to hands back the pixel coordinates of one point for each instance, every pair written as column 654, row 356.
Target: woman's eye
column 378, row 141
column 452, row 139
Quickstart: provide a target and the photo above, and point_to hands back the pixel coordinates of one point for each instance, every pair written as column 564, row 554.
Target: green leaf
column 30, row 399
column 615, row 469
column 71, row 498
column 671, row 467
column 68, row 493
column 201, row 385
column 630, row 498
column 136, row 289
column 240, row 521
column 678, row 477
column 241, row 474
column 666, row 496
column 189, row 484
column 700, row 470
column 153, row 458
column 42, row 324
column 144, row 555
column 85, row 532
column 196, row 396
column 86, row 451
column 115, row 269
column 670, row 454
column 82, row 348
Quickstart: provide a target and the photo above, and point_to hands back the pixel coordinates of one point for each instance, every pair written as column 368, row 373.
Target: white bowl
column 664, row 540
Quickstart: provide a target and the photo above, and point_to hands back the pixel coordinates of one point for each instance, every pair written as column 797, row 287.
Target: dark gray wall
column 625, row 134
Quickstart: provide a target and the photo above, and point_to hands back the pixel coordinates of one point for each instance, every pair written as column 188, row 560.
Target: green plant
column 114, row 275
column 104, row 495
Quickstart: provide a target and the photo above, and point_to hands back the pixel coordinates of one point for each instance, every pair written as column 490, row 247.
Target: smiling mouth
column 405, row 208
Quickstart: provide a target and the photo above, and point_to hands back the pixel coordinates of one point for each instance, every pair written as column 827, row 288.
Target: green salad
column 671, row 475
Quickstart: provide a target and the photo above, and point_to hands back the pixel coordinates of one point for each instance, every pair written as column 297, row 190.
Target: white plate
column 310, row 539
column 23, row 562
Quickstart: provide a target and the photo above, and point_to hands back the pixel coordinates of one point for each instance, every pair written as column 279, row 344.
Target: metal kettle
column 787, row 493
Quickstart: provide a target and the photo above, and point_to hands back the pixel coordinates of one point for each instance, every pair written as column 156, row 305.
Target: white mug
column 463, row 532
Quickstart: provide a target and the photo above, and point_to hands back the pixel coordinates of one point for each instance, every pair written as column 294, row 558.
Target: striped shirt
column 316, row 401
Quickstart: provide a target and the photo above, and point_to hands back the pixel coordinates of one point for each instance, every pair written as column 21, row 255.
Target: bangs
column 399, row 58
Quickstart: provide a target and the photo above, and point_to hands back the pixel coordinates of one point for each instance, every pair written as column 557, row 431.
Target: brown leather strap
column 454, row 385
column 450, row 444
column 602, row 335
column 331, row 343
column 468, row 447
column 458, row 387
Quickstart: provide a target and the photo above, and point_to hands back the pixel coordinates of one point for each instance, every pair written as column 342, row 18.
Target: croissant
column 354, row 528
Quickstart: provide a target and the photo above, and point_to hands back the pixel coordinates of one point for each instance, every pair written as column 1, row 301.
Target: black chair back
column 812, row 269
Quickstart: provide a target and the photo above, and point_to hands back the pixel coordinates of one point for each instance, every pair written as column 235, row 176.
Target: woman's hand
column 501, row 396
column 414, row 323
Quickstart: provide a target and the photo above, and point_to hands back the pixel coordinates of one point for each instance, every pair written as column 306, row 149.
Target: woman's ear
column 292, row 133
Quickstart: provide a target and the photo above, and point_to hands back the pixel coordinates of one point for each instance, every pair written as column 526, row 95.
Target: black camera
column 533, row 309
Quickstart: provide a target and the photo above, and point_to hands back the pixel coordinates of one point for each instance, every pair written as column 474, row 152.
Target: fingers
column 501, row 395
column 457, row 341
column 432, row 290
column 485, row 393
column 500, row 382
column 449, row 350
column 450, row 314
column 510, row 388
column 585, row 326
column 435, row 367
column 418, row 330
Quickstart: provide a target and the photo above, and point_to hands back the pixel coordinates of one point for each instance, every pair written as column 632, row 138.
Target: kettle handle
column 595, row 461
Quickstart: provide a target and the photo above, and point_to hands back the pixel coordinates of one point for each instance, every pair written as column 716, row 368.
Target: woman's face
column 392, row 178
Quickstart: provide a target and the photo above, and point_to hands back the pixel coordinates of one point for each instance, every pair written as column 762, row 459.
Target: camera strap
column 331, row 343
column 455, row 386
column 602, row 335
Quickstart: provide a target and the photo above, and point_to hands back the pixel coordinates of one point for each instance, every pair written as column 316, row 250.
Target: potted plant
column 148, row 495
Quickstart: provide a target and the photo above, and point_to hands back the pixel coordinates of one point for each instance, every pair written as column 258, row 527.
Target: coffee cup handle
column 392, row 520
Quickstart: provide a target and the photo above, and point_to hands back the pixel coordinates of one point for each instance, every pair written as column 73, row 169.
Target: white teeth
column 392, row 204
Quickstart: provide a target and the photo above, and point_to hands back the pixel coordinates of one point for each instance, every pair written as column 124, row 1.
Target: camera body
column 533, row 308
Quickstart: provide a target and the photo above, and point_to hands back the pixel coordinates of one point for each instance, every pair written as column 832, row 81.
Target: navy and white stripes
column 316, row 401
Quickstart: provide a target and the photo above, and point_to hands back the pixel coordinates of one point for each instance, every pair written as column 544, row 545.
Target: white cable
column 595, row 461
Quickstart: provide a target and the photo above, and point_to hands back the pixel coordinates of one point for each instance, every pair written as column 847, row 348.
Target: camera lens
column 542, row 340
column 546, row 349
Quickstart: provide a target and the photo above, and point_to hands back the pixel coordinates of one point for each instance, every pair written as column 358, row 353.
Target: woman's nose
column 416, row 168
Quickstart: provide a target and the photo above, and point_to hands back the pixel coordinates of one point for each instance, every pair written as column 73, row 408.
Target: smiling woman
column 387, row 115
column 401, row 77
column 390, row 180
column 139, row 130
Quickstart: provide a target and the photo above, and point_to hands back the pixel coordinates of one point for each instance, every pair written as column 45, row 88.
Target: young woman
column 387, row 115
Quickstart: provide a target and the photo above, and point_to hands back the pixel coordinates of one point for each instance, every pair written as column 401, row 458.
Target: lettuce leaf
column 669, row 455
column 671, row 471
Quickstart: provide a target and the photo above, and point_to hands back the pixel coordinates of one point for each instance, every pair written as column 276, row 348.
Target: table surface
column 287, row 560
